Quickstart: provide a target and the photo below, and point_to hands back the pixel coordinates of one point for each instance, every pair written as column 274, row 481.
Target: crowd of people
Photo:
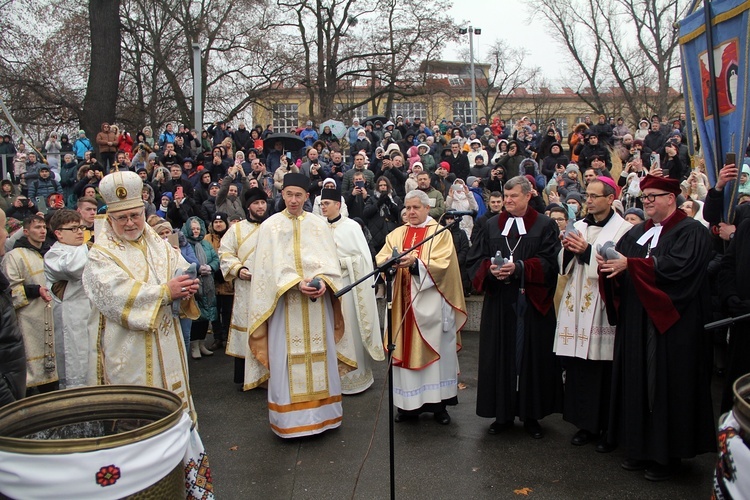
column 599, row 256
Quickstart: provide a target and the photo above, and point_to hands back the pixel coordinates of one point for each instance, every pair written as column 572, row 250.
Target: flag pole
column 718, row 149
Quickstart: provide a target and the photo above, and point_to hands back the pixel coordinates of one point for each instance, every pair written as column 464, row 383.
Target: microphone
column 458, row 213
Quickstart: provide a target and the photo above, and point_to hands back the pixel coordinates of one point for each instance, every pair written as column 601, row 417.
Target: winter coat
column 654, row 141
column 511, row 164
column 65, row 145
column 242, row 140
column 104, row 138
column 68, row 179
column 6, row 200
column 550, row 161
column 52, row 149
column 309, row 136
column 604, row 132
column 232, row 207
column 459, row 165
column 80, row 147
column 32, row 172
column 382, row 214
column 206, row 296
column 44, row 187
column 125, row 143
column 149, row 204
column 179, row 214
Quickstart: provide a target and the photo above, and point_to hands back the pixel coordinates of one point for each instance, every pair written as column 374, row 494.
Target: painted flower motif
column 108, row 475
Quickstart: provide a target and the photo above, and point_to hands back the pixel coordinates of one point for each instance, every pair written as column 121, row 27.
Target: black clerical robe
column 734, row 276
column 661, row 398
column 524, row 382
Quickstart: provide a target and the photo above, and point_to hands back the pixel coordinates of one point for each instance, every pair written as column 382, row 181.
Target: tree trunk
column 100, row 102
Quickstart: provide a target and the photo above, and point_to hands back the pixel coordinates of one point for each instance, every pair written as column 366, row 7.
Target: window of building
column 285, row 117
column 359, row 112
column 455, row 81
column 410, row 110
column 462, row 111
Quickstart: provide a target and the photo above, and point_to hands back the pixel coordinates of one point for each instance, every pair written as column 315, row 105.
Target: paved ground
column 432, row 461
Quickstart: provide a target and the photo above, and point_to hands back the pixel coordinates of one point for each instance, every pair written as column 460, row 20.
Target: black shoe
column 603, row 446
column 497, row 427
column 633, row 464
column 216, row 345
column 533, row 429
column 581, row 438
column 659, row 472
column 403, row 417
column 442, row 418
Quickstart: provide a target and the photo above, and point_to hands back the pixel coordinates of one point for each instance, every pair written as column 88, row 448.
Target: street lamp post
column 197, row 89
column 471, row 30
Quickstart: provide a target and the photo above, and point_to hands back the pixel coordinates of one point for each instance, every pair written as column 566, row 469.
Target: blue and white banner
column 730, row 24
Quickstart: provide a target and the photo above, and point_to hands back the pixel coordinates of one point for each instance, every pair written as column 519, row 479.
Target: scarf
column 207, row 288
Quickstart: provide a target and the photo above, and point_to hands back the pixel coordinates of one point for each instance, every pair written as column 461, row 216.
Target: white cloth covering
column 138, row 465
column 733, row 468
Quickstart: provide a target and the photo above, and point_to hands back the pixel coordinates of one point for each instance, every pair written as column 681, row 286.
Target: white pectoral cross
column 519, row 224
column 652, row 234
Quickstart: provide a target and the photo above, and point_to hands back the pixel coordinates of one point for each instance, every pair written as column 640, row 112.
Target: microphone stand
column 389, row 269
column 725, row 322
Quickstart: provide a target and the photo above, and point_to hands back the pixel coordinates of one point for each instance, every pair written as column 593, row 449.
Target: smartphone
column 41, row 204
column 655, row 159
column 289, row 155
column 730, row 158
column 360, row 184
column 173, row 240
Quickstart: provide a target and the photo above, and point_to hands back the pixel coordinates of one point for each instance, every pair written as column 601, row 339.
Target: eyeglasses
column 652, row 197
column 74, row 229
column 593, row 196
column 124, row 219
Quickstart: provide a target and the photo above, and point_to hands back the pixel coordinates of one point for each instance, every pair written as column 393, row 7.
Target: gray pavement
column 432, row 461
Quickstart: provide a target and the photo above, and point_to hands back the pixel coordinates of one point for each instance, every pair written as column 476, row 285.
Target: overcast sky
column 507, row 20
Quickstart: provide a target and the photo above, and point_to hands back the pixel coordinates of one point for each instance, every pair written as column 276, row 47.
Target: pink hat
column 608, row 181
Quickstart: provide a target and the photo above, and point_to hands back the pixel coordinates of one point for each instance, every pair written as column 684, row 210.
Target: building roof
column 459, row 68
